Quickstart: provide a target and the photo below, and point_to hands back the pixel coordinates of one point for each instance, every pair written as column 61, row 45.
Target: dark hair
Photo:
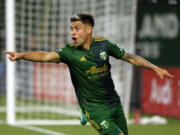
column 85, row 18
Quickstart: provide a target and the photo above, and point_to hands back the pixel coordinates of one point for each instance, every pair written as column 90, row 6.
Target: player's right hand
column 13, row 56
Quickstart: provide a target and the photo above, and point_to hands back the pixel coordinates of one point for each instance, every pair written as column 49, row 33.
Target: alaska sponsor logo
column 95, row 69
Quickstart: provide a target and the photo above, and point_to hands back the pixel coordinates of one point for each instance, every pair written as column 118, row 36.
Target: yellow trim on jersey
column 124, row 55
column 72, row 45
column 92, row 122
column 99, row 39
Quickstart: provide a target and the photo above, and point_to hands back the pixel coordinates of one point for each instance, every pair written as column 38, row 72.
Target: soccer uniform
column 94, row 88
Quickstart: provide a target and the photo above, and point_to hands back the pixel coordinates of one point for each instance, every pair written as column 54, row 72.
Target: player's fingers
column 170, row 75
column 161, row 76
column 170, row 78
column 6, row 52
column 11, row 57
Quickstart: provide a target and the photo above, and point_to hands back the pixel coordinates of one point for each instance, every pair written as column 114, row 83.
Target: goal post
column 10, row 67
column 42, row 93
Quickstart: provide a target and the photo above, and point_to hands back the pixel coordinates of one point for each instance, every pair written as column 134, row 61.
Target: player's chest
column 89, row 58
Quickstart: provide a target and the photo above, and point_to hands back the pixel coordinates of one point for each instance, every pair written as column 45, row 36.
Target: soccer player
column 88, row 62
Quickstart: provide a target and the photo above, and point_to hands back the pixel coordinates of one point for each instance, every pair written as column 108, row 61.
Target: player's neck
column 87, row 44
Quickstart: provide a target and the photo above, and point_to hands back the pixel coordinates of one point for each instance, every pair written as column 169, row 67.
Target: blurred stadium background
column 156, row 38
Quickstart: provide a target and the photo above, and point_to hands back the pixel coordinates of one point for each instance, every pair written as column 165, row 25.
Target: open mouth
column 74, row 40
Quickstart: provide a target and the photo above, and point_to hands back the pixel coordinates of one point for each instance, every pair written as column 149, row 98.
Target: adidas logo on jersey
column 83, row 58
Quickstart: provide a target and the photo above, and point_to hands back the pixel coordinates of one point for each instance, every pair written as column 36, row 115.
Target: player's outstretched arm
column 141, row 62
column 36, row 56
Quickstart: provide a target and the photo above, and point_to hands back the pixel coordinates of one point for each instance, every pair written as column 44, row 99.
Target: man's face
column 79, row 33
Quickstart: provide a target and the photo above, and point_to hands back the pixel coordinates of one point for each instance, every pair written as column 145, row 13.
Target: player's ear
column 89, row 29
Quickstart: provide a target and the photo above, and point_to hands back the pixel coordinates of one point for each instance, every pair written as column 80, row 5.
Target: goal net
column 43, row 93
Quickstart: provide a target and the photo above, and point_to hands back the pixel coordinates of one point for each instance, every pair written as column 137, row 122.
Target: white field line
column 2, row 122
column 3, row 109
column 48, row 122
column 41, row 130
column 24, row 109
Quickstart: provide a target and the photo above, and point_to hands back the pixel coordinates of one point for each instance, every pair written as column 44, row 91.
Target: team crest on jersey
column 104, row 124
column 103, row 55
column 59, row 50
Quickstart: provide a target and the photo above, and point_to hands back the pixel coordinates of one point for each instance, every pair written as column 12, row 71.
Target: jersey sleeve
column 62, row 54
column 115, row 50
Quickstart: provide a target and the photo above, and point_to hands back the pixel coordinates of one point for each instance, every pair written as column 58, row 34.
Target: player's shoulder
column 66, row 48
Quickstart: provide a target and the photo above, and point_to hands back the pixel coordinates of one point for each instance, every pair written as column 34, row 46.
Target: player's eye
column 77, row 28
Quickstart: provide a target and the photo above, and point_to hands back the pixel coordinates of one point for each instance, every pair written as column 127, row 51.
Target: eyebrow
column 75, row 26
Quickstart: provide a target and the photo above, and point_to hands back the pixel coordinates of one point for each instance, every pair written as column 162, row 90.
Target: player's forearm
column 139, row 61
column 36, row 56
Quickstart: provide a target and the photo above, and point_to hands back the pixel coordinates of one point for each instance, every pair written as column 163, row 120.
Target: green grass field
column 172, row 128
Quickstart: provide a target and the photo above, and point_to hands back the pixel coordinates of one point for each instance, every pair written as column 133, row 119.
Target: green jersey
column 90, row 73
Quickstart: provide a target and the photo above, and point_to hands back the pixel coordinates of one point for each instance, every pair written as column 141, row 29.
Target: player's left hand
column 163, row 73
